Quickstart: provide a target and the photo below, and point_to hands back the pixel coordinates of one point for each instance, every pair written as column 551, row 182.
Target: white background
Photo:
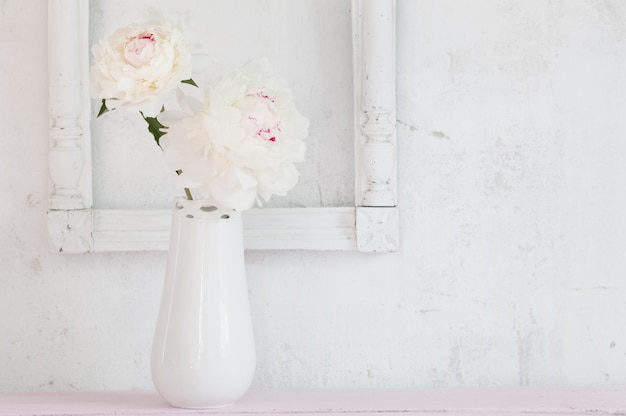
column 512, row 166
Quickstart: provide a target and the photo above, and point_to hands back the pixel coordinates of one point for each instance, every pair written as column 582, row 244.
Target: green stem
column 155, row 128
column 188, row 194
column 187, row 191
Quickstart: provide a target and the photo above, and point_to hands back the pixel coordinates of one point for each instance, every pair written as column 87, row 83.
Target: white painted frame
column 76, row 226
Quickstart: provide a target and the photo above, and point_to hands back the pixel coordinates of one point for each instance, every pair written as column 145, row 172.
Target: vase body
column 203, row 353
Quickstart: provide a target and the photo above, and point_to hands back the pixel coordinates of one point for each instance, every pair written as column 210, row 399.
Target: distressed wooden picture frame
column 371, row 225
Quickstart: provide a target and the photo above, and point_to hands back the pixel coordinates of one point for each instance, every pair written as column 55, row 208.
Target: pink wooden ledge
column 471, row 402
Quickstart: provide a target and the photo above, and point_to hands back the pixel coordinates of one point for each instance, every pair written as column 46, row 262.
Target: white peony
column 138, row 64
column 239, row 146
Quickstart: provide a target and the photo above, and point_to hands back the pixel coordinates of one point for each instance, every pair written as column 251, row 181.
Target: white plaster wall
column 512, row 269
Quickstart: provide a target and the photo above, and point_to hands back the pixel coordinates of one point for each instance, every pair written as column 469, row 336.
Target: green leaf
column 103, row 108
column 190, row 82
column 154, row 127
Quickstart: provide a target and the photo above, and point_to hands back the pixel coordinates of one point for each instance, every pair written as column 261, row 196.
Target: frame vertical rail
column 69, row 215
column 375, row 104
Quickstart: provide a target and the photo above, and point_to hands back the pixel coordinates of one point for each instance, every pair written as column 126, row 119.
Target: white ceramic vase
column 203, row 353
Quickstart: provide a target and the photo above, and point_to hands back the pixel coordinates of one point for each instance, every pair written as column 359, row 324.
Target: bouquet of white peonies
column 236, row 145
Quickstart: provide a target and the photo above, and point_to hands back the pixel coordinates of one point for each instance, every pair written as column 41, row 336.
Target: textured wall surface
column 512, row 163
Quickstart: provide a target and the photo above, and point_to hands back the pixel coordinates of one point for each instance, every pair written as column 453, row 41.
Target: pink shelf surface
column 467, row 402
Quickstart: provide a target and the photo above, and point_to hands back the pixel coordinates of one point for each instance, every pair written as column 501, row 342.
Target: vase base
column 216, row 406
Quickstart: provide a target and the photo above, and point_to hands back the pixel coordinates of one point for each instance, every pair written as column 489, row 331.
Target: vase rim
column 202, row 209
